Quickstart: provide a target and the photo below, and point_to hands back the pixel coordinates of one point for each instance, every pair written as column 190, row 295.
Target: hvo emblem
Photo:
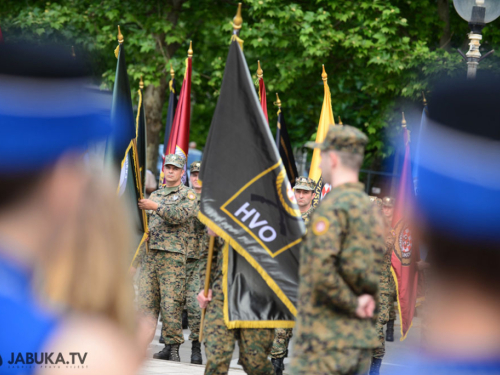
column 265, row 208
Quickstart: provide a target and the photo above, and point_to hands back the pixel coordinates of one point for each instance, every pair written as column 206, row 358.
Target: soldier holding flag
column 162, row 280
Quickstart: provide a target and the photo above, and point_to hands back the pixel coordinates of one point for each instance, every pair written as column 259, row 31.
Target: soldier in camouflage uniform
column 304, row 194
column 388, row 209
column 386, row 292
column 163, row 274
column 192, row 270
column 255, row 344
column 340, row 262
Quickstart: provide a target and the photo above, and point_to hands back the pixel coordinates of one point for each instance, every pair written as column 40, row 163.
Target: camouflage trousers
column 192, row 290
column 254, row 344
column 282, row 337
column 386, row 303
column 349, row 361
column 393, row 308
column 161, row 290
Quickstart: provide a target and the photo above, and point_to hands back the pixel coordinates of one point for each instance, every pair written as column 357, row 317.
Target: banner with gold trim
column 248, row 200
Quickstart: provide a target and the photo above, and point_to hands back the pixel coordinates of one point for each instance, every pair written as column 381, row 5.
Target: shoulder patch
column 191, row 196
column 320, row 226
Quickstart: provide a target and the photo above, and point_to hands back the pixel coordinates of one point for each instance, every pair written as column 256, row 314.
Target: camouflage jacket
column 307, row 215
column 216, row 271
column 169, row 224
column 196, row 233
column 340, row 259
column 387, row 285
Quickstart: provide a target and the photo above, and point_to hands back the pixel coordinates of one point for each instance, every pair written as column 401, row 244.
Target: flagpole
column 207, row 283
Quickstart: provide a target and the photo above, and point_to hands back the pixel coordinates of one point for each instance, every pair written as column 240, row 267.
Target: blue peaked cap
column 47, row 107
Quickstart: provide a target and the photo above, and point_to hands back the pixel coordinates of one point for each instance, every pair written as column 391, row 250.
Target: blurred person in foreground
column 340, row 262
column 64, row 300
column 458, row 216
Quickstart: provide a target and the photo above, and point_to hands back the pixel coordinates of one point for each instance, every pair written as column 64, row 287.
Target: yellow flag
column 325, row 120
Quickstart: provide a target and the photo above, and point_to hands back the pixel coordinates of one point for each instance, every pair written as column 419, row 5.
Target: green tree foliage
column 379, row 55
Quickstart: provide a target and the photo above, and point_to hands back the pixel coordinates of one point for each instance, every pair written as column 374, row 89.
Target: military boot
column 174, row 353
column 278, row 365
column 375, row 366
column 163, row 354
column 389, row 334
column 196, row 353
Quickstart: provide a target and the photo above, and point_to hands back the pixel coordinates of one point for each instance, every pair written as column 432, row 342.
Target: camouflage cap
column 195, row 166
column 388, row 202
column 176, row 160
column 376, row 201
column 304, row 183
column 342, row 138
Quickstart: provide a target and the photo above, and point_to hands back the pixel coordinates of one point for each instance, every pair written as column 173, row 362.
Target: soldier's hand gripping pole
column 207, row 282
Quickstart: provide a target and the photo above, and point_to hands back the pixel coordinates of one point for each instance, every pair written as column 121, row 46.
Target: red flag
column 179, row 135
column 262, row 91
column 1, row 36
column 405, row 256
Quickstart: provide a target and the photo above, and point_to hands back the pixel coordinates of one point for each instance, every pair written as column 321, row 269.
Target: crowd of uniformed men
column 346, row 292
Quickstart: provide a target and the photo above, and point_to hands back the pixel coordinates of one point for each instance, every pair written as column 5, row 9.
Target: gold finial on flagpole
column 260, row 72
column 172, row 71
column 324, row 76
column 120, row 35
column 277, row 103
column 141, row 83
column 403, row 122
column 340, row 121
column 190, row 50
column 237, row 20
column 424, row 99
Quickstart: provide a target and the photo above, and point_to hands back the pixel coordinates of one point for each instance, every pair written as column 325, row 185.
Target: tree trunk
column 443, row 8
column 154, row 97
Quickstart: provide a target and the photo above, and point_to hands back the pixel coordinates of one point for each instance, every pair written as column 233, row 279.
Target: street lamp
column 478, row 13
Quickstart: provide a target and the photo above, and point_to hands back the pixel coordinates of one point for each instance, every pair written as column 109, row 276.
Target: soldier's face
column 173, row 174
column 303, row 197
column 194, row 180
column 388, row 211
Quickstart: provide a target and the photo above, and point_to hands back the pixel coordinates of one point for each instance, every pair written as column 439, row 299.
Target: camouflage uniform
column 254, row 344
column 192, row 268
column 163, row 274
column 282, row 336
column 389, row 202
column 340, row 260
column 386, row 289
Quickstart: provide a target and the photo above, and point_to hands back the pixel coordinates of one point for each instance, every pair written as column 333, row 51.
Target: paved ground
column 394, row 361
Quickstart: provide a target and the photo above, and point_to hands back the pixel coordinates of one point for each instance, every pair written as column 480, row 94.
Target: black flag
column 247, row 200
column 286, row 152
column 122, row 114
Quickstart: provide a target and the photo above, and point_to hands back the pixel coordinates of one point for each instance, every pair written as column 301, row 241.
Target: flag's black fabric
column 247, row 200
column 172, row 105
column 141, row 139
column 122, row 115
column 286, row 152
